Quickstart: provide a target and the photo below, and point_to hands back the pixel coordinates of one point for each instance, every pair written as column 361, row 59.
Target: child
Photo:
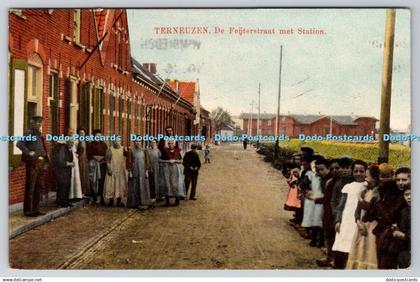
column 363, row 251
column 402, row 232
column 292, row 200
column 207, row 154
column 328, row 217
column 192, row 165
column 313, row 208
column 393, row 219
column 345, row 225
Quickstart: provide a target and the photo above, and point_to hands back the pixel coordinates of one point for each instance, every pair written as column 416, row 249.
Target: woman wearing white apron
column 76, row 185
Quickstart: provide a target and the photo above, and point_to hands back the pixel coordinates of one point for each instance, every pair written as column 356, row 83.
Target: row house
column 293, row 125
column 74, row 67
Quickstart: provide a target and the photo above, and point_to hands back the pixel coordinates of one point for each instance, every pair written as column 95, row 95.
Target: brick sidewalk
column 19, row 224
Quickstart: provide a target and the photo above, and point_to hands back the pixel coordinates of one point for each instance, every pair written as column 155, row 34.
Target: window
column 128, row 121
column 120, row 113
column 54, row 100
column 141, row 106
column 98, row 105
column 85, row 107
column 136, row 116
column 34, row 95
column 76, row 25
column 111, row 113
column 18, row 87
column 269, row 122
column 73, row 103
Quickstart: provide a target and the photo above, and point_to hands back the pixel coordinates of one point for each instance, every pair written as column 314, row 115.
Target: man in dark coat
column 192, row 165
column 63, row 163
column 34, row 154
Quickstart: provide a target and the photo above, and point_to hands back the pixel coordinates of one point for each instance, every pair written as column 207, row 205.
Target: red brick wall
column 365, row 126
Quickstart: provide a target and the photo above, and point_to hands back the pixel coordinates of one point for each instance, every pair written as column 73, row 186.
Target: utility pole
column 278, row 100
column 386, row 85
column 259, row 103
column 252, row 110
column 276, row 144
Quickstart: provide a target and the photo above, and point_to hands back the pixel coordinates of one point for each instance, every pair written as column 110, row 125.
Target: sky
column 336, row 73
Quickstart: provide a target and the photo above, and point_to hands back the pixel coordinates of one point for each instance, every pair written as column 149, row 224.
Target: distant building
column 227, row 130
column 293, row 125
column 238, row 121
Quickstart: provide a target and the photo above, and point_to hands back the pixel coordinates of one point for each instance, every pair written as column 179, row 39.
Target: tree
column 221, row 118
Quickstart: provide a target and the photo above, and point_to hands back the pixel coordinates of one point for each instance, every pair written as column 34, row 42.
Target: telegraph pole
column 278, row 100
column 276, row 144
column 252, row 110
column 259, row 103
column 386, row 85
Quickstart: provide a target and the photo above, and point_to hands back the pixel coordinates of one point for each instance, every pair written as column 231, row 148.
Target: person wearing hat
column 192, row 165
column 34, row 155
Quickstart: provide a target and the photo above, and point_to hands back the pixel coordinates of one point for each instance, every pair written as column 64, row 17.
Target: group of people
column 111, row 174
column 359, row 213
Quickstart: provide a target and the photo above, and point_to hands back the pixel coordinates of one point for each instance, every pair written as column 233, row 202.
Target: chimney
column 177, row 86
column 146, row 66
column 153, row 68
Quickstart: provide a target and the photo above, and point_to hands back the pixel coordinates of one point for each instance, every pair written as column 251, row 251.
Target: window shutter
column 18, row 107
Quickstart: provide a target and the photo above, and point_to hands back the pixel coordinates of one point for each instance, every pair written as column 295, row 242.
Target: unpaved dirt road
column 237, row 223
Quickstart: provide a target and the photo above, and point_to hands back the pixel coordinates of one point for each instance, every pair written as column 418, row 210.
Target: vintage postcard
column 209, row 138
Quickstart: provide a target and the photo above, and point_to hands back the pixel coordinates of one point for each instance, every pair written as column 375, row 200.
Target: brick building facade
column 74, row 67
column 293, row 125
column 190, row 91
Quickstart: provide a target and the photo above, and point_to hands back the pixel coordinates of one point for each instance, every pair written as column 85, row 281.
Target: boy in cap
column 192, row 165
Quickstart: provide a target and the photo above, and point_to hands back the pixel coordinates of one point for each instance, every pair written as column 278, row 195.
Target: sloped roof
column 309, row 119
column 227, row 127
column 255, row 115
column 141, row 71
column 185, row 89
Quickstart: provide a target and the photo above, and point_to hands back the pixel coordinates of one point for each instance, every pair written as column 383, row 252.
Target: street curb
column 46, row 218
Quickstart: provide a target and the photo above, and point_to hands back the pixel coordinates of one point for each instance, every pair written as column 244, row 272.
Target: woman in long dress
column 139, row 192
column 170, row 186
column 154, row 155
column 83, row 164
column 75, row 185
column 115, row 187
column 345, row 225
column 363, row 251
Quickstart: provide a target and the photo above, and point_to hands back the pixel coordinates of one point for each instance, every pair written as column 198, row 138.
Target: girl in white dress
column 345, row 224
